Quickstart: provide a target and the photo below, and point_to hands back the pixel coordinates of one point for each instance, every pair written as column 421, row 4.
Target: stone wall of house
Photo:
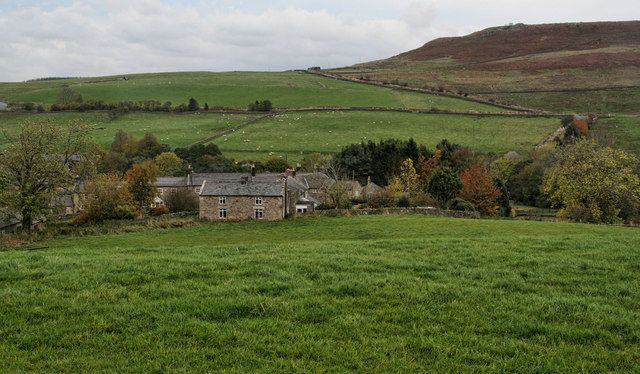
column 240, row 208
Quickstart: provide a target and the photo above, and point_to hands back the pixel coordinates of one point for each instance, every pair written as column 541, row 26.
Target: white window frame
column 222, row 213
column 259, row 200
column 301, row 210
column 222, row 200
column 160, row 191
column 259, row 213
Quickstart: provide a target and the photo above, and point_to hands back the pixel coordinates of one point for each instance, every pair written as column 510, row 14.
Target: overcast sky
column 88, row 38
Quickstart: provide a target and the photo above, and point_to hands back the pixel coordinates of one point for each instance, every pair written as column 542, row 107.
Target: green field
column 285, row 90
column 619, row 131
column 605, row 101
column 175, row 129
column 367, row 294
column 294, row 134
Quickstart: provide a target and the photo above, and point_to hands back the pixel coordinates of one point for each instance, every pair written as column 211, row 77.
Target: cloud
column 124, row 36
column 88, row 38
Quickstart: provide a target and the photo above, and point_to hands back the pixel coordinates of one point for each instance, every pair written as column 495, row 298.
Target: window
column 222, row 213
column 301, row 210
column 259, row 200
column 222, row 200
column 160, row 191
column 259, row 213
column 197, row 190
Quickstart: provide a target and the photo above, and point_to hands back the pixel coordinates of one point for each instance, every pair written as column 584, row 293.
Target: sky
column 92, row 38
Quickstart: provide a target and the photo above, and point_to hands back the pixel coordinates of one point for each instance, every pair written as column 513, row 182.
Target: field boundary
column 424, row 91
column 561, row 90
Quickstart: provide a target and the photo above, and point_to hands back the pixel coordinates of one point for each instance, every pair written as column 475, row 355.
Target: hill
column 552, row 62
column 234, row 89
column 371, row 294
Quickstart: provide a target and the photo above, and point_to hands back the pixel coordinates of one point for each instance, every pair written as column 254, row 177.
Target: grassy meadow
column 371, row 294
column 294, row 134
column 619, row 131
column 234, row 89
column 175, row 129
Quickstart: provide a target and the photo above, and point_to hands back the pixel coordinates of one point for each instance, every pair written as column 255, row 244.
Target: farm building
column 3, row 106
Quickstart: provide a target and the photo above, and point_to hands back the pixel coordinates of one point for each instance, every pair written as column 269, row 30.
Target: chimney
column 369, row 179
column 253, row 171
column 189, row 176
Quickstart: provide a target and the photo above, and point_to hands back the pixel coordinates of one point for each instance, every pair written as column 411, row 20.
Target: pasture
column 370, row 294
column 294, row 134
column 176, row 130
column 234, row 89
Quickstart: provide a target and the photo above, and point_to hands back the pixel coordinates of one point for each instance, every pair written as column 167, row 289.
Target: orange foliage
column 479, row 187
column 583, row 126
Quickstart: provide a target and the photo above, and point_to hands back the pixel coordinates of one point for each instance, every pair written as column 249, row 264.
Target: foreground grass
column 298, row 133
column 399, row 293
column 236, row 89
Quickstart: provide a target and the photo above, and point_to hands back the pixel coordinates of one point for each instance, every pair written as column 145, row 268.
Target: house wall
column 241, row 208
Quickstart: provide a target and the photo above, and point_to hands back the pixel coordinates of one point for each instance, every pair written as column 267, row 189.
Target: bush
column 260, row 106
column 106, row 197
column 182, row 200
column 462, row 205
column 382, row 198
column 404, row 202
column 159, row 211
column 193, row 105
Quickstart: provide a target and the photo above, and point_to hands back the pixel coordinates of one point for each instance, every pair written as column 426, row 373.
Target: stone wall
column 426, row 211
column 240, row 208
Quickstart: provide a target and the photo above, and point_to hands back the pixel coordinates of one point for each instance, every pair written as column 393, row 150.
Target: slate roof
column 171, row 182
column 243, row 189
column 198, row 178
column 315, row 181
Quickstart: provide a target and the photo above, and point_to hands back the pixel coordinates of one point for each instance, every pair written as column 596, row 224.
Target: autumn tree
column 106, row 196
column 141, row 179
column 42, row 161
column 479, row 188
column 168, row 163
column 68, row 95
column 594, row 183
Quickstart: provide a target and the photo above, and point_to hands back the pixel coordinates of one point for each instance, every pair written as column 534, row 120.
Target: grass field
column 285, row 90
column 369, row 294
column 294, row 134
column 605, row 101
column 620, row 132
column 175, row 129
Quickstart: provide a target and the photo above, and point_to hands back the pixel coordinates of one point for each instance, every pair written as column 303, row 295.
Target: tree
column 123, row 143
column 479, row 188
column 408, row 176
column 182, row 200
column 193, row 105
column 444, row 184
column 339, row 194
column 42, row 161
column 276, row 165
column 594, row 183
column 206, row 106
column 315, row 162
column 106, row 196
column 141, row 179
column 168, row 163
column 69, row 96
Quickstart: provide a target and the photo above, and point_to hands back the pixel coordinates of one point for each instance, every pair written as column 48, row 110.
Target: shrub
column 106, row 197
column 159, row 211
column 182, row 200
column 404, row 202
column 260, row 106
column 381, row 199
column 462, row 205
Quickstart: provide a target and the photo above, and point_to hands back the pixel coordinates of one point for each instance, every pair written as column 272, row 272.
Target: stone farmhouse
column 261, row 196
